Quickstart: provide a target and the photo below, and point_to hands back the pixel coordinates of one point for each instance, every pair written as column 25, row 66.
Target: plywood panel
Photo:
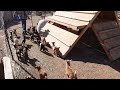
column 115, row 53
column 62, row 35
column 79, row 16
column 109, row 33
column 112, row 42
column 63, row 48
column 69, row 22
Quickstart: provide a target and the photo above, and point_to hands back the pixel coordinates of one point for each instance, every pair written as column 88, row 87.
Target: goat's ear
column 70, row 60
column 67, row 60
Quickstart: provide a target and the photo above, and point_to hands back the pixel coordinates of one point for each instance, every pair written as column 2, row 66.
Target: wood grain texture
column 79, row 16
column 63, row 39
column 109, row 33
column 115, row 53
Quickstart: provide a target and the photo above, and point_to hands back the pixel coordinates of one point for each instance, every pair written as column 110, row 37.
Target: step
column 105, row 25
column 109, row 33
column 115, row 53
column 112, row 42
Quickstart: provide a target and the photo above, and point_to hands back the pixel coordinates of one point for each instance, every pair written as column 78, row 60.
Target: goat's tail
column 75, row 75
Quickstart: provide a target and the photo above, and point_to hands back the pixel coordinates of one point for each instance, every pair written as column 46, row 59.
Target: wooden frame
column 97, row 15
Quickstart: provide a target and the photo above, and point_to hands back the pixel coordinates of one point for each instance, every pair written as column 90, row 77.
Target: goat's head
column 68, row 62
column 57, row 48
column 45, row 74
column 14, row 30
column 53, row 43
column 38, row 68
column 11, row 32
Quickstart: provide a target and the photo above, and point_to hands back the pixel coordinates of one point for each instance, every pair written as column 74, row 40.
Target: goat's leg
column 67, row 75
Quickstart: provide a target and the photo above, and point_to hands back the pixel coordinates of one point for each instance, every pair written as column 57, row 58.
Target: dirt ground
column 88, row 63
column 3, row 52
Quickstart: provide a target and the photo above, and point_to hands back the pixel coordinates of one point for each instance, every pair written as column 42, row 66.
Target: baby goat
column 69, row 71
column 42, row 74
column 56, row 50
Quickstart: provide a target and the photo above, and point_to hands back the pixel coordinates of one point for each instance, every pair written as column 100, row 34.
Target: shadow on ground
column 25, row 69
column 29, row 46
column 29, row 61
column 9, row 24
column 49, row 54
column 87, row 54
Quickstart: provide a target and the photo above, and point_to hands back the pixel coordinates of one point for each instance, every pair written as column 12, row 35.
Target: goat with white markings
column 69, row 71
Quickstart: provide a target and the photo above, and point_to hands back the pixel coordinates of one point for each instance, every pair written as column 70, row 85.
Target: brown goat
column 42, row 74
column 56, row 50
column 43, row 40
column 69, row 71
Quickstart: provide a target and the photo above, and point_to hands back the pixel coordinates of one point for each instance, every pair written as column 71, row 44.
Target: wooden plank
column 109, row 33
column 70, row 23
column 63, row 48
column 101, row 42
column 62, row 35
column 79, row 16
column 115, row 53
column 88, row 12
column 112, row 42
column 64, row 24
column 105, row 25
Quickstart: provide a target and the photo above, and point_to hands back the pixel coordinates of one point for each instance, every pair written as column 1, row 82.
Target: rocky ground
column 88, row 63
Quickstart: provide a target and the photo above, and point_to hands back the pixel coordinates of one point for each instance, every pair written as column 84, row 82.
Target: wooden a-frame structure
column 67, row 27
